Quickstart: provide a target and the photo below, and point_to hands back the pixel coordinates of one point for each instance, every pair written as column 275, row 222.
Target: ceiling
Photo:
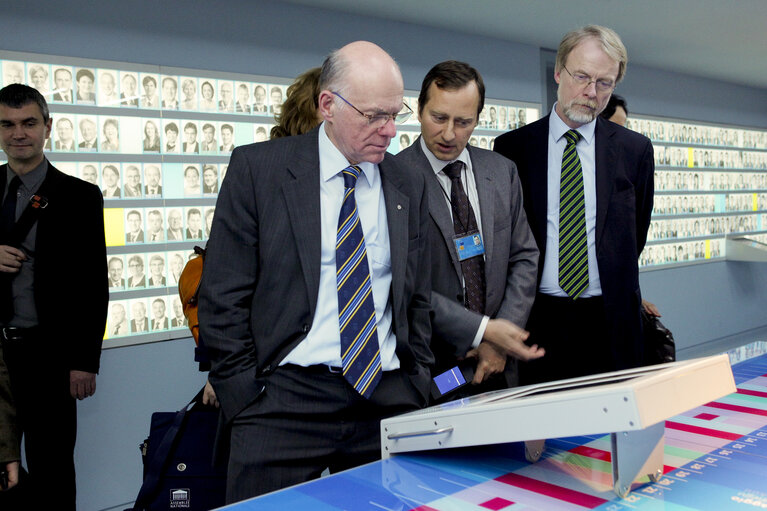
column 720, row 39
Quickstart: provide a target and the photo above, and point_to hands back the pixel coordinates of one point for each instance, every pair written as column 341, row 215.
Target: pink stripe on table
column 738, row 408
column 552, row 490
column 756, row 393
column 702, row 431
column 706, row 416
column 590, row 452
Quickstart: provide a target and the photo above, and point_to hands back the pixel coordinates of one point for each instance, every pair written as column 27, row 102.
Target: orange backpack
column 189, row 288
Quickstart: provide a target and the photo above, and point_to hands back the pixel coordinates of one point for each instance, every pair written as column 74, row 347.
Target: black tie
column 464, row 223
column 7, row 221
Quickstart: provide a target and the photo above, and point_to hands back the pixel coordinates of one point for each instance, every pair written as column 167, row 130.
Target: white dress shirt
column 586, row 153
column 322, row 345
column 470, row 187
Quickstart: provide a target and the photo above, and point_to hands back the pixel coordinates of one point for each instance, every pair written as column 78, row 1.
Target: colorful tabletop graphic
column 715, row 459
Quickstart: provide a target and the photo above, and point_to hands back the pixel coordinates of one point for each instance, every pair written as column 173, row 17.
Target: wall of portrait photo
column 710, row 182
column 157, row 141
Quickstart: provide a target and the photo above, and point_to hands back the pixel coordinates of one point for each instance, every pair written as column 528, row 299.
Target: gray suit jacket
column 511, row 255
column 262, row 267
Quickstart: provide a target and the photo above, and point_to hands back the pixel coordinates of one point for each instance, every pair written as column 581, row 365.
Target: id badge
column 469, row 246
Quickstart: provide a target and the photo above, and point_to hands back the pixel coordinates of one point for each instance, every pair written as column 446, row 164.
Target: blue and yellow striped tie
column 360, row 354
column 573, row 245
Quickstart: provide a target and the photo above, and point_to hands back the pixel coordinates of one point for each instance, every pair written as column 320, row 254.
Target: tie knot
column 572, row 137
column 13, row 186
column 351, row 173
column 453, row 170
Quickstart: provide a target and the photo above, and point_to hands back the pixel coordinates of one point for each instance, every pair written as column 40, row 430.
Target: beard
column 575, row 112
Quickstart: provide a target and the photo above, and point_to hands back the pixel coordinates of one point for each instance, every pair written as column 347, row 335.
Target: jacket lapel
column 605, row 171
column 397, row 212
column 302, row 195
column 486, row 194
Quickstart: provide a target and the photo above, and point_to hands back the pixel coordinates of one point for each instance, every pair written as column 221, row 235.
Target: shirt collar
column 332, row 162
column 557, row 128
column 436, row 164
column 32, row 179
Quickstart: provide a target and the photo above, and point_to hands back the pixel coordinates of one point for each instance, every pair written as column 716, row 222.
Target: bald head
column 360, row 77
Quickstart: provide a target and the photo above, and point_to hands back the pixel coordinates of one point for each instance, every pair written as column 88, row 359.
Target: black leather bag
column 659, row 346
column 180, row 470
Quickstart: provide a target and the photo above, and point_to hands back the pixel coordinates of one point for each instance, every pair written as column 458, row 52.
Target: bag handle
column 160, row 458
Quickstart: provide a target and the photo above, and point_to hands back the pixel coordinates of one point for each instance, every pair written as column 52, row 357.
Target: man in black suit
column 587, row 312
column 50, row 360
column 269, row 302
column 116, row 268
column 139, row 323
column 63, row 80
column 487, row 324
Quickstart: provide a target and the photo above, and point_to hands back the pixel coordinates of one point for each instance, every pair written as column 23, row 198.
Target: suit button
column 305, row 329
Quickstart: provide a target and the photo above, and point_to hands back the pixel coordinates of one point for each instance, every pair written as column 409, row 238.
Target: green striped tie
column 573, row 246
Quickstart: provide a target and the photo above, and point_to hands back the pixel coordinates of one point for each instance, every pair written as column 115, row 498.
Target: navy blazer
column 624, row 180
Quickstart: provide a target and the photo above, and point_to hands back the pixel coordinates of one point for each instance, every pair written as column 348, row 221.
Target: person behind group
column 616, row 110
column 156, row 271
column 275, row 97
column 169, row 93
column 108, row 90
column 152, row 178
column 243, row 99
column 175, row 226
column 259, row 100
column 50, row 367
column 118, row 321
column 208, row 144
column 151, row 137
column 155, row 231
column 226, row 103
column 135, row 232
column 587, row 311
column 299, row 112
column 115, row 268
column 209, row 220
column 132, row 186
column 481, row 302
column 269, row 302
column 139, row 322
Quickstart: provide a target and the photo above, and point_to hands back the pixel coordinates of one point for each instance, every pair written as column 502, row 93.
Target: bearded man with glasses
column 588, row 193
column 276, row 310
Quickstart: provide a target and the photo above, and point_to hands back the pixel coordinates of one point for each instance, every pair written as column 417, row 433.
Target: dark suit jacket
column 71, row 202
column 262, row 268
column 511, row 255
column 140, row 326
column 59, row 97
column 10, row 437
column 624, row 181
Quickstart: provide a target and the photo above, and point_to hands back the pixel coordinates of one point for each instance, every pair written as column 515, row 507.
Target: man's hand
column 11, row 470
column 511, row 339
column 11, row 258
column 651, row 309
column 209, row 395
column 81, row 384
column 490, row 360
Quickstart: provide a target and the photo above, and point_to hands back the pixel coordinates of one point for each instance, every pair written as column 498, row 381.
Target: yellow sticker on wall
column 114, row 227
column 708, row 249
column 690, row 158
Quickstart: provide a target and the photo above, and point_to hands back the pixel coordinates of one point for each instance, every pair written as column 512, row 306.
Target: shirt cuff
column 480, row 332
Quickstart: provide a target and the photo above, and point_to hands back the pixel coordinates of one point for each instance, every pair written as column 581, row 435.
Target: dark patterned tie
column 360, row 354
column 7, row 221
column 464, row 222
column 573, row 244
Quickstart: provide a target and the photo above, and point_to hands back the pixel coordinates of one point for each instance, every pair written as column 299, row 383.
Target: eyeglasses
column 378, row 121
column 585, row 80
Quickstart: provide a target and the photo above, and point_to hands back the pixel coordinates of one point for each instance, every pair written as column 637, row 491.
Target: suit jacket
column 139, row 325
column 139, row 237
column 128, row 102
column 624, row 182
column 162, row 326
column 61, row 147
column 10, row 437
column 71, row 201
column 511, row 255
column 60, row 97
column 262, row 269
column 146, row 190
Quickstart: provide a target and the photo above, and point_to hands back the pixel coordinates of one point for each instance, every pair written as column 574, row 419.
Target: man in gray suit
column 270, row 300
column 483, row 257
